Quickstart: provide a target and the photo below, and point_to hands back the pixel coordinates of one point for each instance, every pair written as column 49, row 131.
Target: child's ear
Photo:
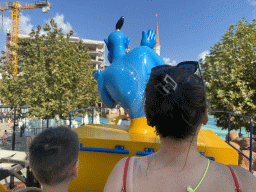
column 75, row 169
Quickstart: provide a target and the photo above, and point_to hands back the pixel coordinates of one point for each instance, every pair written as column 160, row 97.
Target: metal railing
column 251, row 130
column 70, row 115
column 36, row 129
column 251, row 133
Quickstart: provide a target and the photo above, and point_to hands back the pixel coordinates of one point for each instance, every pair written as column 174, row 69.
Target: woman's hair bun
column 178, row 114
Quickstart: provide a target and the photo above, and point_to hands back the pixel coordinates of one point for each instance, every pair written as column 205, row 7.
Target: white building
column 96, row 49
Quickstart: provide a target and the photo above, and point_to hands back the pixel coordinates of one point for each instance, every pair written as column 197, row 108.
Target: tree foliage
column 55, row 75
column 229, row 71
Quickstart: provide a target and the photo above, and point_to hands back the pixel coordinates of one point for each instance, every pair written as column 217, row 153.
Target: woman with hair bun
column 175, row 104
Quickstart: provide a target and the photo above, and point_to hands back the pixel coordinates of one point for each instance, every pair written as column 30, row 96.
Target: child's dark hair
column 178, row 114
column 53, row 153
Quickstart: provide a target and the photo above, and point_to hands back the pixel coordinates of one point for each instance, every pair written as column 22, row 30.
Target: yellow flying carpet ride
column 124, row 82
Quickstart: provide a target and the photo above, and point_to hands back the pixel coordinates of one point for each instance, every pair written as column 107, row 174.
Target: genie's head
column 116, row 44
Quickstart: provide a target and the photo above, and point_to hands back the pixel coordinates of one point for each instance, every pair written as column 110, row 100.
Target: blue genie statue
column 124, row 81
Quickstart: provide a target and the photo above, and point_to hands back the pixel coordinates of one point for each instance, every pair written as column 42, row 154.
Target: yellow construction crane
column 15, row 8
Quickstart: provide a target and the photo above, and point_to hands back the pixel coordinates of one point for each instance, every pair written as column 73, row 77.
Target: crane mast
column 15, row 8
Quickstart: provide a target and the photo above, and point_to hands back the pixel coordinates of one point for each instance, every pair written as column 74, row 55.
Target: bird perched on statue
column 120, row 23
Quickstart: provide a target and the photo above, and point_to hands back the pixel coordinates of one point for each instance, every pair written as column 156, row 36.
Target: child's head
column 5, row 131
column 53, row 154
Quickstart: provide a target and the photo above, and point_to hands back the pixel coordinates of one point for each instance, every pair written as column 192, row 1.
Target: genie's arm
column 127, row 41
column 148, row 39
column 106, row 98
column 104, row 95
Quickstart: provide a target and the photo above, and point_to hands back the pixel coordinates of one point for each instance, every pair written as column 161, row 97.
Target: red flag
column 156, row 15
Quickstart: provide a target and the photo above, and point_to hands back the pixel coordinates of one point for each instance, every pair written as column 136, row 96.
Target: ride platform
column 103, row 146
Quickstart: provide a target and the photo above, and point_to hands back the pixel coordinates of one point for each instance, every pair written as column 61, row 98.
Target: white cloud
column 59, row 19
column 25, row 25
column 252, row 2
column 6, row 23
column 203, row 55
column 42, row 32
column 167, row 61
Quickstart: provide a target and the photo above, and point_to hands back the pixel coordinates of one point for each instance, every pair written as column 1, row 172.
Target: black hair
column 178, row 114
column 181, row 110
column 52, row 154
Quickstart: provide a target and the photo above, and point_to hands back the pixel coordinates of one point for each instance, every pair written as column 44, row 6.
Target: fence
column 229, row 113
column 37, row 126
column 37, row 131
column 251, row 133
column 78, row 110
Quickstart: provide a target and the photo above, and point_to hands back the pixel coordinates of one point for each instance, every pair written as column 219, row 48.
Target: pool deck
column 20, row 146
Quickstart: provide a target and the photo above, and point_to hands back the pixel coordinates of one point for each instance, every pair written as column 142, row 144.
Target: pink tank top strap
column 236, row 182
column 125, row 173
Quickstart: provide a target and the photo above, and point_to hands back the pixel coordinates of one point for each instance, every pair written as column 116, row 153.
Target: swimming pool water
column 211, row 125
column 102, row 120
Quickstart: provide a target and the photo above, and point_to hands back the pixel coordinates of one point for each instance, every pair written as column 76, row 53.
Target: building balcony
column 96, row 62
column 95, row 52
column 100, row 59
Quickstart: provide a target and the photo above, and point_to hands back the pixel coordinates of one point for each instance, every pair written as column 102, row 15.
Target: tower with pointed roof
column 156, row 48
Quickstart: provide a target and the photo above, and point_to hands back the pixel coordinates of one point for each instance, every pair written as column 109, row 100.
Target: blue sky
column 187, row 29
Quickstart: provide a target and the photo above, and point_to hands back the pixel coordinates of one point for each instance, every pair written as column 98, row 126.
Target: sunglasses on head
column 169, row 82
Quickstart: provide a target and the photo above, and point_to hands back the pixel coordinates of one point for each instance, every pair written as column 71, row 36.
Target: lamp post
column 15, row 116
column 14, row 127
column 23, row 110
column 12, row 186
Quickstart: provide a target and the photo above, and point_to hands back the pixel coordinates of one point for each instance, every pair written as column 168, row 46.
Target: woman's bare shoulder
column 247, row 178
column 115, row 179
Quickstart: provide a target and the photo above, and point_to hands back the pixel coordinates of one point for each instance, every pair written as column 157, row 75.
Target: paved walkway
column 20, row 142
column 20, row 145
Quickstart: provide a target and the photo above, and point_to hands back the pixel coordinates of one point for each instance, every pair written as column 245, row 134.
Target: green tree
column 55, row 75
column 229, row 71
